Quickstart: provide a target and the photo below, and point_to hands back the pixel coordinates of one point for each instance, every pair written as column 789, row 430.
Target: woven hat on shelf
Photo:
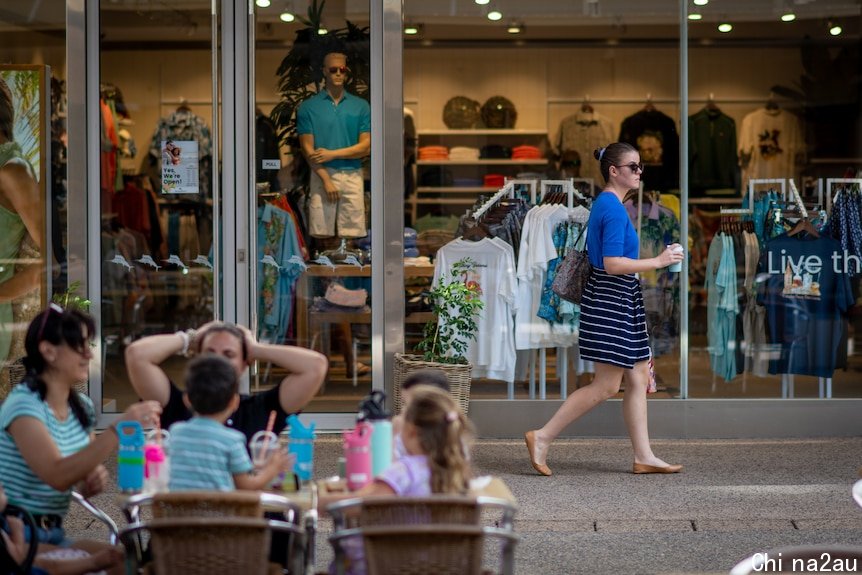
column 499, row 113
column 461, row 113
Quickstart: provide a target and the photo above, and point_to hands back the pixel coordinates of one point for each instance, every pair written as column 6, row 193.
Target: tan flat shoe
column 530, row 440
column 640, row 468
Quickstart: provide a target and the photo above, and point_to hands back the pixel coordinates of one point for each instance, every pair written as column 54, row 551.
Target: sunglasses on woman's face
column 633, row 166
column 343, row 70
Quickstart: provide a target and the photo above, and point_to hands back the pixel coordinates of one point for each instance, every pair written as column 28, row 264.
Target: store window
column 158, row 165
column 774, row 136
column 312, row 200
column 501, row 93
column 33, row 191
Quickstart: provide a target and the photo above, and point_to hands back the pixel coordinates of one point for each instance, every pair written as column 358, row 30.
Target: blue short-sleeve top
column 334, row 125
column 610, row 231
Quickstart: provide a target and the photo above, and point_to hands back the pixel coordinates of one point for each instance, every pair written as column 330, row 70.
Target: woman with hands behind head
column 47, row 443
column 613, row 323
column 306, row 371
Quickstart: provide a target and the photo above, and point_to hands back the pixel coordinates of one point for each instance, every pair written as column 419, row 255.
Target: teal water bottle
column 130, row 457
column 302, row 445
column 373, row 410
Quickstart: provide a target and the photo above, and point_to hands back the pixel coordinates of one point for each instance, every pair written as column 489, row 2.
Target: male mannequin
column 334, row 130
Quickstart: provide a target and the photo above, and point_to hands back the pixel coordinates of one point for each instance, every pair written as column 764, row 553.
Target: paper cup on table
column 677, row 267
column 261, row 446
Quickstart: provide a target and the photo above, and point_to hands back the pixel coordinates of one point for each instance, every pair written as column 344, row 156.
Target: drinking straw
column 269, row 426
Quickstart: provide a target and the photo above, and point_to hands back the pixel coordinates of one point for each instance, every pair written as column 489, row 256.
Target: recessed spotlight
column 725, row 27
column 286, row 16
column 481, row 2
column 262, row 3
column 495, row 15
column 695, row 16
column 701, row 2
column 514, row 28
column 835, row 30
column 411, row 29
column 788, row 17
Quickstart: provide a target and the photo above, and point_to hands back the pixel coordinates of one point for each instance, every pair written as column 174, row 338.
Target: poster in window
column 179, row 167
column 24, row 153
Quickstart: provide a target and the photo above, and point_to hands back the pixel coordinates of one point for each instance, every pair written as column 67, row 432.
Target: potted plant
column 456, row 301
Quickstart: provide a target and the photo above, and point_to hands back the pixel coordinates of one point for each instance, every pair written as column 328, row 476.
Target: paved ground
column 593, row 516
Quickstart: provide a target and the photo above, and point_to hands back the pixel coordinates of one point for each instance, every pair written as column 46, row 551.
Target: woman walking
column 613, row 323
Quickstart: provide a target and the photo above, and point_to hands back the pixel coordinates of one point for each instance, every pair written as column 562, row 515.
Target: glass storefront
column 206, row 207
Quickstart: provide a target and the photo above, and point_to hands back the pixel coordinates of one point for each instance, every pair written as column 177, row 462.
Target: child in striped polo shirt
column 206, row 454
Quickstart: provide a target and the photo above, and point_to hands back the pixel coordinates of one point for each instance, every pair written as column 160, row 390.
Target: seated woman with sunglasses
column 47, row 445
column 613, row 322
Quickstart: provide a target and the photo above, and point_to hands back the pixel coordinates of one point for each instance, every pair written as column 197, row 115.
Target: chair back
column 209, row 546
column 802, row 558
column 439, row 549
column 207, row 504
column 370, row 511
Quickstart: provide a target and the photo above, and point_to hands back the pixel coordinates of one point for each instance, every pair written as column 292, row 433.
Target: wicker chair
column 352, row 515
column 208, row 545
column 802, row 558
column 430, row 549
column 227, row 505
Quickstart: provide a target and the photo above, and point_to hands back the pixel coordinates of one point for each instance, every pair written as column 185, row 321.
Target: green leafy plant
column 456, row 301
column 70, row 299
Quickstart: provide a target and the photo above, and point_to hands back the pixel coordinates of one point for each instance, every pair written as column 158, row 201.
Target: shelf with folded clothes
column 485, row 162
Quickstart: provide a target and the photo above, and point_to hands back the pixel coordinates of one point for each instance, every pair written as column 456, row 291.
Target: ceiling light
column 725, row 27
column 262, row 3
column 411, row 29
column 515, row 28
column 322, row 31
column 481, row 2
column 701, row 2
column 286, row 16
column 495, row 15
column 835, row 29
column 788, row 17
column 695, row 16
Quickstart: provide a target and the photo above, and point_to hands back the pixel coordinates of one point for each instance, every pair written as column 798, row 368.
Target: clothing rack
column 830, row 199
column 798, row 199
column 562, row 352
column 506, row 190
column 531, row 183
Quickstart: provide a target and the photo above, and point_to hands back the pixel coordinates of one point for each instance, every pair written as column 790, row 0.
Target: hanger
column 586, row 107
column 184, row 106
column 771, row 104
column 710, row 103
column 804, row 225
column 649, row 107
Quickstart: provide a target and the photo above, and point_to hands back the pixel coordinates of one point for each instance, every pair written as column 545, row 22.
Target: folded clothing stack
column 494, row 181
column 526, row 153
column 463, row 153
column 433, row 153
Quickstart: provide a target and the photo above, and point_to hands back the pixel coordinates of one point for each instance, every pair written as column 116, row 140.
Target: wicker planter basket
column 458, row 376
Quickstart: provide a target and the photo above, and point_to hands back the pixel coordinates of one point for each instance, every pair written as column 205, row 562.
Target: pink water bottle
column 357, row 455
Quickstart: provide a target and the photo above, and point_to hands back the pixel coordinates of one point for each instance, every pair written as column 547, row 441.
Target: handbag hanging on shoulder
column 572, row 275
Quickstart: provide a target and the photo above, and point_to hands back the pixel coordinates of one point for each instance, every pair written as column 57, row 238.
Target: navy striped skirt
column 613, row 321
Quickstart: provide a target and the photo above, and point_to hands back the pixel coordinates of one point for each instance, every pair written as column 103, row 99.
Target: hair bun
column 598, row 153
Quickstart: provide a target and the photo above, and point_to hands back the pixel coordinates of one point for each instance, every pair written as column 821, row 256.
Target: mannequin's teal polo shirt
column 334, row 126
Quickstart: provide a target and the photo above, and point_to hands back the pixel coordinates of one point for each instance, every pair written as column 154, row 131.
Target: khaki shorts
column 348, row 212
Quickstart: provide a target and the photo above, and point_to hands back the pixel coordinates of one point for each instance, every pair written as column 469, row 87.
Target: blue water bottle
column 373, row 410
column 130, row 457
column 301, row 444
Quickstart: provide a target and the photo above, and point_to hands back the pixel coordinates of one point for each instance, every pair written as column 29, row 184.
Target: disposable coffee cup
column 677, row 267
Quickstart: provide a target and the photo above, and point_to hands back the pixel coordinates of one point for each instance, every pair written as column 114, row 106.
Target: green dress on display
column 13, row 232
